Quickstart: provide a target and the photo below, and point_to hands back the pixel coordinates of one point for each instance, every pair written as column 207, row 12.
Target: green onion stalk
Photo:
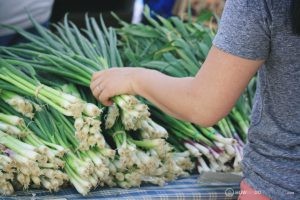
column 242, row 122
column 13, row 125
column 7, row 169
column 111, row 116
column 152, row 130
column 238, row 148
column 128, row 166
column 183, row 130
column 19, row 103
column 87, row 129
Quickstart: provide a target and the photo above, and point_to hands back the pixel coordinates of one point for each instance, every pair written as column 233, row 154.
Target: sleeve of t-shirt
column 244, row 29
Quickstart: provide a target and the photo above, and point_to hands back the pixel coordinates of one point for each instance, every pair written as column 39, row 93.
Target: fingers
column 104, row 98
column 95, row 82
column 103, row 95
column 104, row 85
column 97, row 90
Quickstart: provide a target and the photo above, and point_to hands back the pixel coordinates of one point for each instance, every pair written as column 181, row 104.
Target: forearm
column 174, row 96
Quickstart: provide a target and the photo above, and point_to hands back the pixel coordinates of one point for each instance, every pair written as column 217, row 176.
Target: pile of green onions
column 50, row 149
column 51, row 123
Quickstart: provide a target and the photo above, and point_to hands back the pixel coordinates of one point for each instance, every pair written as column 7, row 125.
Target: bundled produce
column 66, row 104
column 85, row 169
column 65, row 136
column 27, row 159
column 152, row 160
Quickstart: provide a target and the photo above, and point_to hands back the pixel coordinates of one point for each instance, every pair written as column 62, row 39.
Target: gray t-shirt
column 261, row 29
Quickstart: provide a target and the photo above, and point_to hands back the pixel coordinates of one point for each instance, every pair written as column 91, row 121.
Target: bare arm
column 203, row 99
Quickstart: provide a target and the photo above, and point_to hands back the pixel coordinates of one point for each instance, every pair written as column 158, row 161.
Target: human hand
column 108, row 83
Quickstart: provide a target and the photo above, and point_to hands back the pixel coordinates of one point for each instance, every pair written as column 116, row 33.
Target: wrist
column 135, row 79
column 138, row 79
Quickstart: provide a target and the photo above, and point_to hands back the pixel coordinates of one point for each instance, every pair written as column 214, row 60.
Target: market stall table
column 183, row 188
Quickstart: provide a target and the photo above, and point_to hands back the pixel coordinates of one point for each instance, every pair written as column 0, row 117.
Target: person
column 15, row 12
column 161, row 7
column 254, row 36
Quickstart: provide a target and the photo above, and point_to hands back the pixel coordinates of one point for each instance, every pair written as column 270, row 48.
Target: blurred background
column 15, row 12
column 78, row 8
column 130, row 10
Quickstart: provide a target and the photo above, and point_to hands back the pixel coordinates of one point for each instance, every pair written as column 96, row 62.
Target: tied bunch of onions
column 86, row 169
column 87, row 127
column 145, row 160
column 13, row 125
column 86, row 115
column 133, row 112
column 147, row 127
column 32, row 162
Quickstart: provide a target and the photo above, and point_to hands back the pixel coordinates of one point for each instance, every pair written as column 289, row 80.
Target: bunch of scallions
column 14, row 82
column 45, row 84
column 26, row 159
